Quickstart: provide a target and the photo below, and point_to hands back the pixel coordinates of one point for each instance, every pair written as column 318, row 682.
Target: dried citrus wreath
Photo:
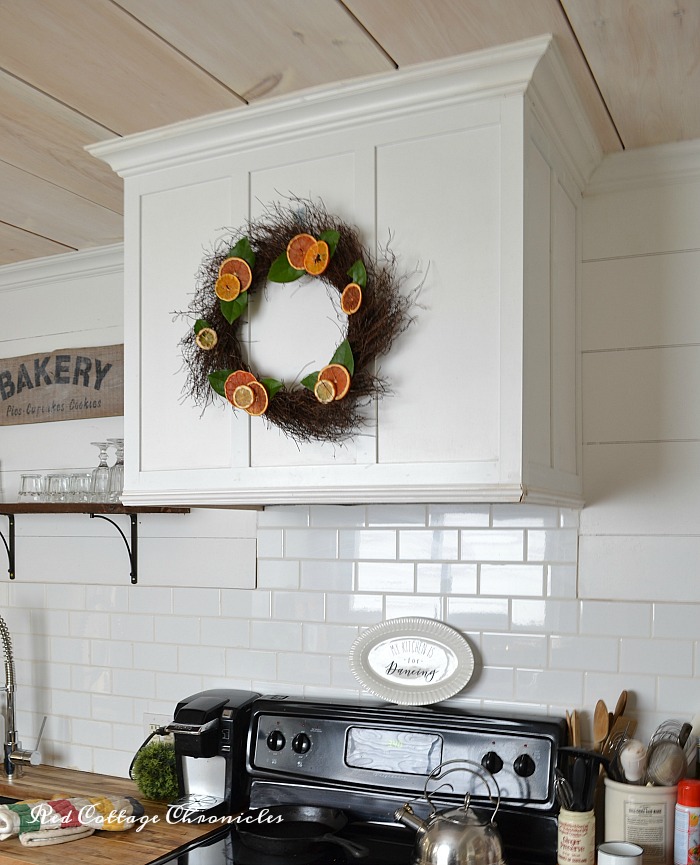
column 286, row 244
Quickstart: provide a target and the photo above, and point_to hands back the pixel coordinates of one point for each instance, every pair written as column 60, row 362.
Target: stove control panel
column 387, row 751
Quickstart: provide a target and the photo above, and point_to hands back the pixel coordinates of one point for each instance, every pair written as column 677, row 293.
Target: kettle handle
column 481, row 773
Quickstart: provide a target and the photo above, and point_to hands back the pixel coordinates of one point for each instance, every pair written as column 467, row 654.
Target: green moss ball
column 154, row 771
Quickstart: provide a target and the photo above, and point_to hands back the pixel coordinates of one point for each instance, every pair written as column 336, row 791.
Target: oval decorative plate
column 412, row 661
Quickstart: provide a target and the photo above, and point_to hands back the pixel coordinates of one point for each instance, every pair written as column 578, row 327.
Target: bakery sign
column 67, row 384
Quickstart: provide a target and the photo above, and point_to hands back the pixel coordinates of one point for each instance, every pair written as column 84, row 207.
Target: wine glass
column 116, row 472
column 99, row 488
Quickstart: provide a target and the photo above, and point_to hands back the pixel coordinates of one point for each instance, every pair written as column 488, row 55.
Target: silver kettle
column 456, row 836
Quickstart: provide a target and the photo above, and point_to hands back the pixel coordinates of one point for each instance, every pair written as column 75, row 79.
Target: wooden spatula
column 601, row 725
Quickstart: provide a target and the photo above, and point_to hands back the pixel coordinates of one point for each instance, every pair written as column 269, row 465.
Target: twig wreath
column 281, row 247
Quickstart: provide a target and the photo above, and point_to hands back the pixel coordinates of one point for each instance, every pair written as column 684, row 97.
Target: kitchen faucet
column 15, row 755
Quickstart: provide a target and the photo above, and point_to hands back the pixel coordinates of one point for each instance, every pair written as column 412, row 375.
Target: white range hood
column 474, row 166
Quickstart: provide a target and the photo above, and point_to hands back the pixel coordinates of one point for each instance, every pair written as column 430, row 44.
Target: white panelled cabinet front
column 462, row 179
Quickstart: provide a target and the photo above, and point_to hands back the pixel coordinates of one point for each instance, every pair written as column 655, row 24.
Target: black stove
column 368, row 760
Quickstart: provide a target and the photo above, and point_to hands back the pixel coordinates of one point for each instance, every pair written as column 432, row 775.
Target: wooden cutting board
column 157, row 837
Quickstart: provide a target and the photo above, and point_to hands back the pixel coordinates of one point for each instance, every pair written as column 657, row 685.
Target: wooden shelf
column 95, row 510
column 83, row 508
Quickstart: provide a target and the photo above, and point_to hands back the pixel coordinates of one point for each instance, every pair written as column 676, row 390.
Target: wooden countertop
column 118, row 848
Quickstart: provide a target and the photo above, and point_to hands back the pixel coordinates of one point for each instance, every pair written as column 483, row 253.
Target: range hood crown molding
column 506, row 70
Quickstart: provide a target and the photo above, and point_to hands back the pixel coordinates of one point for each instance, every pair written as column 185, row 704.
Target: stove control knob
column 301, row 743
column 492, row 762
column 524, row 766
column 276, row 740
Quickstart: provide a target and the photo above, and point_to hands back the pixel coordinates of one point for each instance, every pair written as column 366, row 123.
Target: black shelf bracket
column 132, row 550
column 10, row 544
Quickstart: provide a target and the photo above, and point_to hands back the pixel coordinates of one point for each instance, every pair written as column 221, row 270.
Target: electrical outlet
column 153, row 722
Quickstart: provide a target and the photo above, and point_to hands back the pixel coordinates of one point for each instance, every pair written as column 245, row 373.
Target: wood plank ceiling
column 74, row 72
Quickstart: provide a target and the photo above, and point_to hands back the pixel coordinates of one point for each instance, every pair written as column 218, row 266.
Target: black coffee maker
column 210, row 731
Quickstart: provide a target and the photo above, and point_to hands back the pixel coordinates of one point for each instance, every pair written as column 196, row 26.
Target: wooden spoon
column 601, row 724
column 620, row 707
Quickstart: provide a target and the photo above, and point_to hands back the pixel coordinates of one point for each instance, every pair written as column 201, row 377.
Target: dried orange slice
column 206, row 338
column 297, row 248
column 260, row 399
column 324, row 390
column 243, row 396
column 316, row 258
column 239, row 377
column 240, row 268
column 338, row 376
column 228, row 286
column 351, row 298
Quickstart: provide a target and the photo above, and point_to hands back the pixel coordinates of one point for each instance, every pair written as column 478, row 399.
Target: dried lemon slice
column 243, row 396
column 206, row 338
column 324, row 390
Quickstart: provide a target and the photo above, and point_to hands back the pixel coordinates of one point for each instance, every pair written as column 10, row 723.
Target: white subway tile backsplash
column 446, row 578
column 283, row 516
column 196, row 601
column 560, row 581
column 279, row 636
column 298, row 606
column 327, row 576
column 176, row 630
column 429, row 544
column 385, row 577
column 396, row 515
column 84, row 624
column 112, row 653
column 337, row 516
column 197, row 659
column 552, row 545
column 478, row 614
column 304, row 668
column 278, row 574
column 674, row 620
column 459, row 516
column 357, row 609
column 233, row 633
column 657, row 656
column 514, row 650
column 310, row 544
column 532, row 516
column 367, row 544
column 99, row 657
column 549, row 616
column 511, row 580
column 430, row 607
column 148, row 599
column 492, row 545
column 556, row 687
column 621, row 619
column 250, row 665
column 329, row 639
column 584, row 653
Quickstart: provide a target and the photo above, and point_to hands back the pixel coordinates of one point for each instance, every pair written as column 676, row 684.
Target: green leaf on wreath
column 331, row 237
column 233, row 309
column 243, row 250
column 272, row 385
column 217, row 380
column 282, row 271
column 343, row 355
column 200, row 324
column 358, row 274
column 310, row 380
